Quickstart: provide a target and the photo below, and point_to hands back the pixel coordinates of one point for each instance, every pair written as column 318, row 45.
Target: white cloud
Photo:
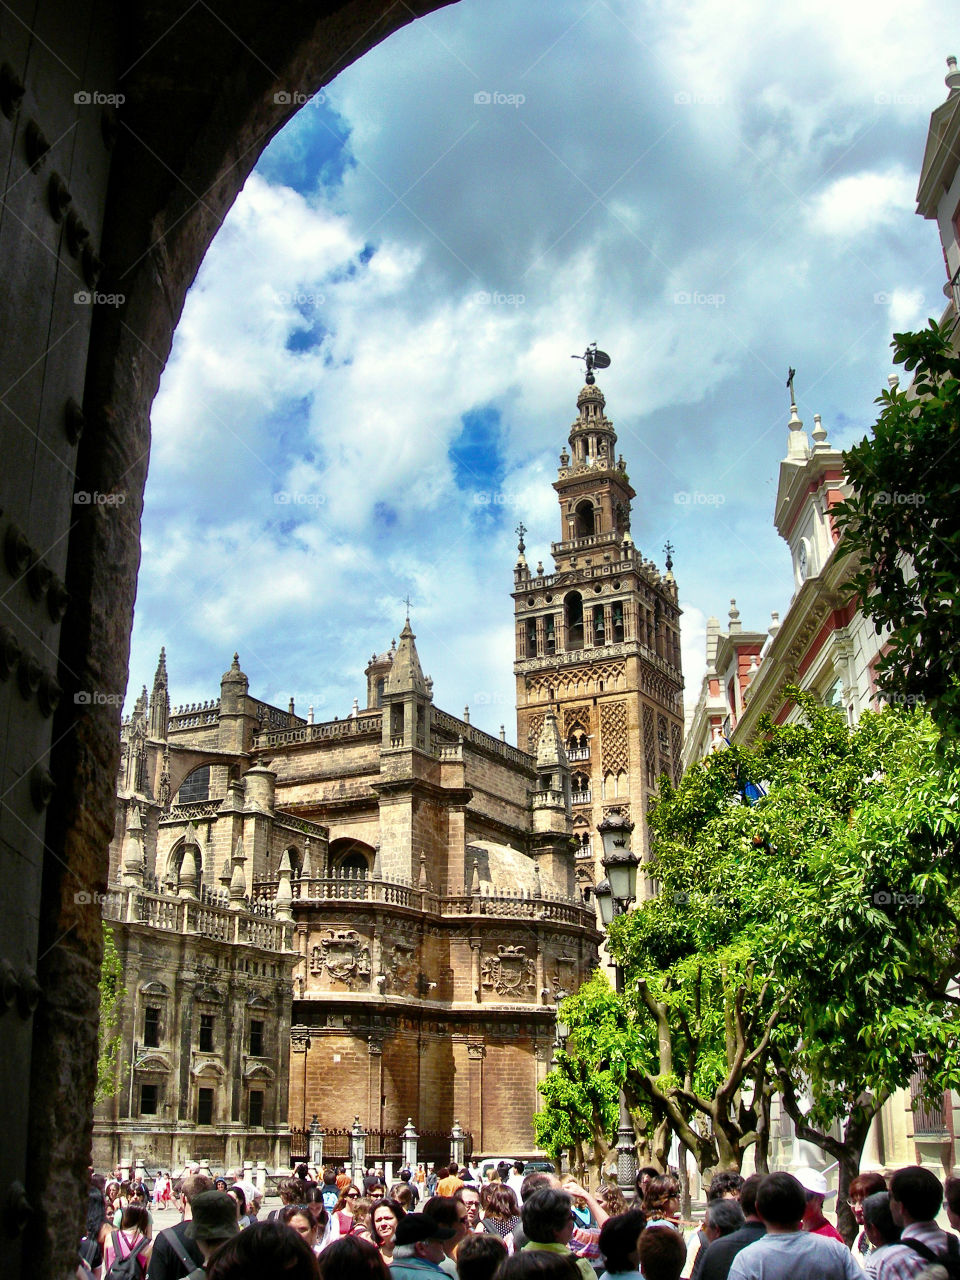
column 862, row 202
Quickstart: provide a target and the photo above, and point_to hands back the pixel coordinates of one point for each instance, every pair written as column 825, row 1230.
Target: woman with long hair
column 308, row 1220
column 266, row 1250
column 383, row 1226
column 661, row 1201
column 501, row 1213
column 133, row 1236
column 612, row 1199
column 345, row 1209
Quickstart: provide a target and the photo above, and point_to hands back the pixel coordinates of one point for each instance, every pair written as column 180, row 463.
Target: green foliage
column 804, row 941
column 112, row 995
column 903, row 522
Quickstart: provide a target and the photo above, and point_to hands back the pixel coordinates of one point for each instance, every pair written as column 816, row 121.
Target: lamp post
column 615, row 894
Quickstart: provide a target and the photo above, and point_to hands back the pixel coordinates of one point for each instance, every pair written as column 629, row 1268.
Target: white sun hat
column 812, row 1180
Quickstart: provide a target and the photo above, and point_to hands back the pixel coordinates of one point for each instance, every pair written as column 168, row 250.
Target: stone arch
column 351, row 859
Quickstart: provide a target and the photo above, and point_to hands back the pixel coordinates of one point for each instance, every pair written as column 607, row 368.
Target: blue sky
column 371, row 382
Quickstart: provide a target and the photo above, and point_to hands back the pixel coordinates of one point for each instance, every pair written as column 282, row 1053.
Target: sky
column 371, row 382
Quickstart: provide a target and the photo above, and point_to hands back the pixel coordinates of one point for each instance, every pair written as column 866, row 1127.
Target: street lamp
column 614, row 895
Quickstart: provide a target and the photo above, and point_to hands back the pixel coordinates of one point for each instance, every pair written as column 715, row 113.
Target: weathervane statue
column 593, row 359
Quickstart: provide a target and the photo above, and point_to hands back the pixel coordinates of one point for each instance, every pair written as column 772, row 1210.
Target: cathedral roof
column 499, row 865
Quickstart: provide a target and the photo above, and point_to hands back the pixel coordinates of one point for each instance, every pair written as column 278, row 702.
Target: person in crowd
column 346, row 1208
column 611, row 1199
column 174, row 1253
column 377, row 1192
column 384, row 1220
column 661, row 1201
column 886, row 1252
column 403, row 1193
column 291, row 1192
column 503, row 1173
column 548, row 1225
column 352, row 1258
column 97, row 1229
column 433, row 1177
column 161, row 1190
column 243, row 1207
column 221, row 1183
column 479, row 1256
column 132, row 1237
column 643, row 1177
column 719, row 1254
column 723, row 1186
column 406, row 1177
column 585, row 1242
column 951, row 1201
column 787, row 1252
column 619, row 1237
column 343, row 1178
column 418, row 1249
column 362, row 1210
column 501, row 1213
column 723, row 1218
column 661, row 1255
column 863, row 1185
column 916, row 1195
column 450, row 1183
column 815, row 1185
column 515, row 1176
column 539, row 1266
column 309, row 1220
column 214, row 1220
column 469, row 1197
column 264, row 1251
column 329, row 1191
column 452, row 1214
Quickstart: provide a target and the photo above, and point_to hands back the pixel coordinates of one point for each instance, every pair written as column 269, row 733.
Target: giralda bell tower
column 599, row 638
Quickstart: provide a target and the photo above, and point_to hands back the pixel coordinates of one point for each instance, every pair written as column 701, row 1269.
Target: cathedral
column 367, row 924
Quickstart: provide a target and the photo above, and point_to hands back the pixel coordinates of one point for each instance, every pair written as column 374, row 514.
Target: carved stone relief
column 509, row 972
column 344, row 955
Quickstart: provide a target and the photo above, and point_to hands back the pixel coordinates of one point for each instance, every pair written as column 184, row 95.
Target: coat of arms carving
column 345, row 956
column 509, row 972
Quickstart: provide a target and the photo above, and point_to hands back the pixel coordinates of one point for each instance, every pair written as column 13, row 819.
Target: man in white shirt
column 787, row 1252
column 515, row 1180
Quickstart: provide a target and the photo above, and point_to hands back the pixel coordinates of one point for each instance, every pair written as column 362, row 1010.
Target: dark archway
column 126, row 133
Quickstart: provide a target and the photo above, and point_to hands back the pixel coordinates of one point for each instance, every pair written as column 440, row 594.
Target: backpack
column 950, row 1261
column 129, row 1267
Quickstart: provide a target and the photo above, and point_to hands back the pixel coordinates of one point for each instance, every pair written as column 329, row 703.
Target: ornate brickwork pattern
column 677, row 735
column 649, row 746
column 533, row 733
column 614, row 742
column 576, row 716
column 663, row 742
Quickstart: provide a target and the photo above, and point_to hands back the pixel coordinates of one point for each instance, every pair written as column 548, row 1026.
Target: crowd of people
column 510, row 1227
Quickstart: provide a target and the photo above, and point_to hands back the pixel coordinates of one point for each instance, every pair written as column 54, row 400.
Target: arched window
column 599, row 636
column 531, row 638
column 578, row 744
column 380, row 685
column 584, row 523
column 351, row 859
column 573, row 617
column 580, row 783
column 617, row 618
column 195, row 786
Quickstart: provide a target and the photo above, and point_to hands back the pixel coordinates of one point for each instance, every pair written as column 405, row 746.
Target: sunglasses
column 351, row 1195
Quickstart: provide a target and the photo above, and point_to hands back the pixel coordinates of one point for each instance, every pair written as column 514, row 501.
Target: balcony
column 578, row 753
column 581, row 797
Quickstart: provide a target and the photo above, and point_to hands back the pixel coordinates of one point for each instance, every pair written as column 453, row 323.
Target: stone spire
column 952, row 79
column 160, row 701
column 406, row 674
column 132, row 870
column 592, row 437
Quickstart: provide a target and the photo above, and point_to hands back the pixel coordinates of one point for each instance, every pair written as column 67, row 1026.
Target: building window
column 573, row 618
column 255, row 1119
column 617, row 622
column 532, row 638
column 149, row 1099
column 598, row 628
column 255, row 1046
column 206, row 1033
column 380, row 687
column 204, row 1106
column 151, row 1027
column 196, row 787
